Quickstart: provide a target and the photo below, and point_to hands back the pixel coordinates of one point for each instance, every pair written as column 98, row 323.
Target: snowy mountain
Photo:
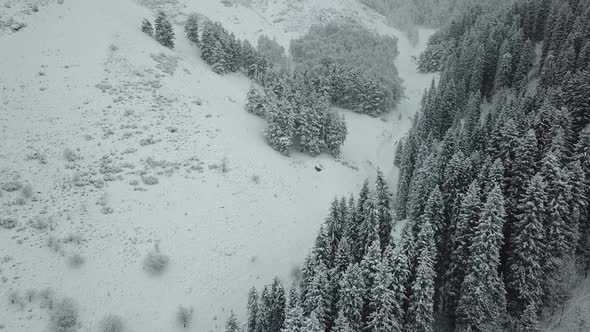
column 114, row 146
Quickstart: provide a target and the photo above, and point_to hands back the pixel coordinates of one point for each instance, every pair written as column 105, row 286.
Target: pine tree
column 264, row 311
column 351, row 296
column 191, row 28
column 312, row 324
column 382, row 302
column 576, row 97
column 529, row 322
column 420, row 315
column 294, row 316
column 399, row 151
column 561, row 234
column 277, row 306
column 335, row 132
column 232, row 324
column 482, row 301
column 384, row 217
column 164, row 32
column 341, row 324
column 525, row 269
column 255, row 104
column 318, row 300
column 396, row 262
column 146, row 27
column 504, row 72
column 310, row 130
column 279, row 133
column 252, row 310
column 461, row 242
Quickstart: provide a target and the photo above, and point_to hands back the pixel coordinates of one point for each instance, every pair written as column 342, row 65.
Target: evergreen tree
column 255, row 104
column 335, row 132
column 399, row 151
column 277, row 306
column 482, row 301
column 294, row 316
column 318, row 300
column 420, row 315
column 385, row 219
column 279, row 133
column 461, row 241
column 400, row 273
column 310, row 130
column 232, row 324
column 164, row 32
column 312, row 324
column 252, row 310
column 529, row 322
column 341, row 324
column 504, row 72
column 351, row 296
column 191, row 28
column 382, row 302
column 264, row 311
column 525, row 269
column 146, row 27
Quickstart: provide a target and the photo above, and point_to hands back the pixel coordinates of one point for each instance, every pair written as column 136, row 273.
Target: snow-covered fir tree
column 147, row 28
column 164, row 33
column 191, row 28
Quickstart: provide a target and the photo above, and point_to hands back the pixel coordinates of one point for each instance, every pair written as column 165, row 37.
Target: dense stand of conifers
column 493, row 191
column 340, row 64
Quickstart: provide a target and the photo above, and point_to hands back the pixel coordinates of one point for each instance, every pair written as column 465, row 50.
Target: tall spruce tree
column 461, row 241
column 525, row 269
column 420, row 315
column 482, row 302
column 191, row 28
column 164, row 32
column 252, row 310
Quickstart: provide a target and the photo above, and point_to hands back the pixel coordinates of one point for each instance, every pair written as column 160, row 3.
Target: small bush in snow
column 64, row 317
column 111, row 323
column 8, row 223
column 76, row 260
column 150, row 180
column 11, row 186
column 184, row 316
column 155, row 263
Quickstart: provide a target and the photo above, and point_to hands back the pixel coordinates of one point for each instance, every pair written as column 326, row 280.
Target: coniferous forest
column 492, row 199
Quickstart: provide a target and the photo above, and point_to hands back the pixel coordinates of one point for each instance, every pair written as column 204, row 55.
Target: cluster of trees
column 297, row 115
column 494, row 195
column 346, row 282
column 510, row 180
column 353, row 65
column 163, row 32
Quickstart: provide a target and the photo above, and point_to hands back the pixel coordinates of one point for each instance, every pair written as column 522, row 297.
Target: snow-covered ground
column 92, row 111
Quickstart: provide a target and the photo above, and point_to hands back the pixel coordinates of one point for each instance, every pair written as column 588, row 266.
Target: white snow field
column 111, row 144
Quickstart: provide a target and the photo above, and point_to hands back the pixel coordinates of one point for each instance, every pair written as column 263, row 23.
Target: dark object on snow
column 318, row 168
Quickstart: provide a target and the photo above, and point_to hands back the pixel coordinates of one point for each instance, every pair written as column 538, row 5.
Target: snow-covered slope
column 92, row 111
